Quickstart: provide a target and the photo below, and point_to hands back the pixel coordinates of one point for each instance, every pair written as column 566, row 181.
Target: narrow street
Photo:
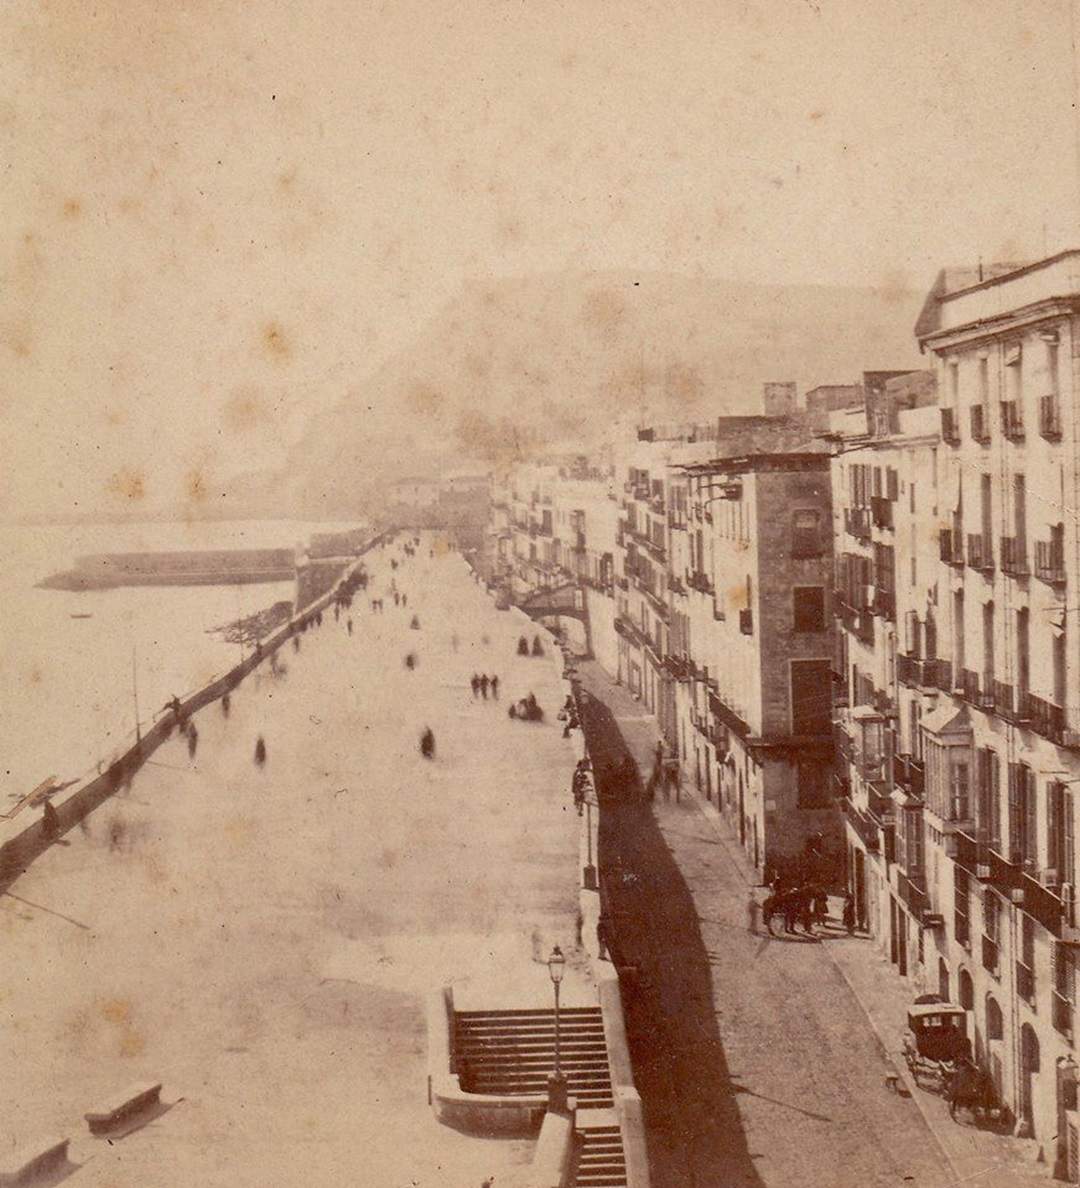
column 261, row 939
column 755, row 1062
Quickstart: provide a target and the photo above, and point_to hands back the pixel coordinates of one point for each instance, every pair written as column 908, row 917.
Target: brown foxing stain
column 388, row 859
column 115, row 416
column 72, row 208
column 35, row 675
column 239, row 831
column 275, row 342
column 127, row 484
column 817, row 114
column 425, row 400
column 195, row 486
column 604, row 313
column 244, row 409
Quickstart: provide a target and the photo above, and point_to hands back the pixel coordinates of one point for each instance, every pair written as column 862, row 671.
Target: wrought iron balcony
column 1012, row 420
column 1050, row 562
column 1014, row 556
column 980, row 553
column 881, row 511
column 1050, row 417
column 969, row 685
column 950, row 430
column 697, row 580
column 857, row 523
column 1045, row 718
column 952, row 552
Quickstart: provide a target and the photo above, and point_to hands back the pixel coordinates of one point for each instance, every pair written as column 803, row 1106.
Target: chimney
column 779, row 399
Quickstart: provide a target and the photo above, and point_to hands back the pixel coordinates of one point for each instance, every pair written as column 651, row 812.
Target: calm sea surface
column 70, row 685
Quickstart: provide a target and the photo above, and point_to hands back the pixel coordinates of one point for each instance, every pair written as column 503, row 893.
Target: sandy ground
column 260, row 940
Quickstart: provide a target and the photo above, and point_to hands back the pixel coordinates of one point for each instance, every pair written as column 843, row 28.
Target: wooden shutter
column 1014, row 813
column 1028, row 785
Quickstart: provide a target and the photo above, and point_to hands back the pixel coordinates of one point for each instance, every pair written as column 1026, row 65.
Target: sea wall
column 24, row 838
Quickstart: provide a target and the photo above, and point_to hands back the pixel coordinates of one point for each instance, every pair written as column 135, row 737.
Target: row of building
column 855, row 621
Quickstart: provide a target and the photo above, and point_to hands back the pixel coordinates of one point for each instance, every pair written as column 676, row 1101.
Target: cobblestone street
column 755, row 1061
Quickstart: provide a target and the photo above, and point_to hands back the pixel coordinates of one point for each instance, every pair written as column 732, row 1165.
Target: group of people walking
column 523, row 646
column 483, row 684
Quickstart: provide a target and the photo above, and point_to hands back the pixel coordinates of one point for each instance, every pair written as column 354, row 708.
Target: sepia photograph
column 539, row 615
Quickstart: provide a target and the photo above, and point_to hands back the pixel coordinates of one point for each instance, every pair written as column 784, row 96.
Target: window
column 988, row 821
column 1023, row 654
column 958, row 635
column 987, row 510
column 1020, row 513
column 962, row 907
column 813, row 785
column 806, row 533
column 1021, row 814
column 988, row 646
column 811, row 697
column 809, row 608
column 1058, row 651
column 1059, row 832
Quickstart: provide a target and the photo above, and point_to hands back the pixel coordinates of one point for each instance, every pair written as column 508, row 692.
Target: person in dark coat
column 483, row 685
column 538, row 647
column 495, row 688
column 51, row 820
column 849, row 913
column 192, row 741
column 475, row 682
column 260, row 751
column 427, row 743
column 348, row 624
column 523, row 646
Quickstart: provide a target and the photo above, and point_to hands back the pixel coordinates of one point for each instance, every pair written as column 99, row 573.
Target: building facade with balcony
column 1002, row 749
column 757, row 709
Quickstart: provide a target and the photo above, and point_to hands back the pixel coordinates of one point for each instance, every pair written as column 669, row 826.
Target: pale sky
column 220, row 216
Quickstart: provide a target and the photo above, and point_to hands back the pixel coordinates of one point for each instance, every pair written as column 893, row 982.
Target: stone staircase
column 601, row 1162
column 512, row 1053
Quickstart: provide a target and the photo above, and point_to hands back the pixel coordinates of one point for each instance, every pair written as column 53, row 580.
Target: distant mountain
column 518, row 366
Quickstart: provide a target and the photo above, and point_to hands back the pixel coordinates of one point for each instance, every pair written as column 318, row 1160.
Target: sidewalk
column 877, row 995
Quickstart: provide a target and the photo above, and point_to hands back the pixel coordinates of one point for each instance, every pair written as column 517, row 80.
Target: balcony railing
column 980, row 423
column 943, row 675
column 697, row 580
column 1050, row 562
column 1045, row 718
column 1050, row 417
column 952, row 552
column 881, row 511
column 1004, row 699
column 950, row 430
column 1012, row 420
column 980, row 554
column 1014, row 556
column 857, row 523
column 1062, row 1010
column 912, row 893
column 885, row 604
column 910, row 774
column 969, row 685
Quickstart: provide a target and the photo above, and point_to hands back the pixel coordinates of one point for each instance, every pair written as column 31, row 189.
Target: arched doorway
column 1029, row 1066
column 994, row 1031
column 943, row 980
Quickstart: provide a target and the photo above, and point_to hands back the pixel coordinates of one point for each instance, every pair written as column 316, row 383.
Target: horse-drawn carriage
column 938, row 1055
column 935, row 1042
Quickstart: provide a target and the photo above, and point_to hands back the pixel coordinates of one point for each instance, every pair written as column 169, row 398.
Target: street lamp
column 590, row 868
column 556, row 1083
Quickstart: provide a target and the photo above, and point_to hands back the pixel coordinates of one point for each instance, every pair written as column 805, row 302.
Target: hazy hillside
column 519, row 365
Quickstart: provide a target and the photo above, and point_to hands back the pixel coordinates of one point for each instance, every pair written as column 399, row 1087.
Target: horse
column 972, row 1088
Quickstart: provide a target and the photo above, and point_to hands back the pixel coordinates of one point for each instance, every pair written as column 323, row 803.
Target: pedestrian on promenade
column 192, row 741
column 789, row 907
column 849, row 913
column 404, row 600
column 538, row 647
column 260, row 751
column 821, row 907
column 226, row 704
column 523, row 646
column 483, row 685
column 495, row 688
column 753, row 911
column 415, row 623
column 602, row 938
column 806, row 911
column 475, row 682
column 296, row 643
column 427, row 743
column 397, row 598
column 348, row 624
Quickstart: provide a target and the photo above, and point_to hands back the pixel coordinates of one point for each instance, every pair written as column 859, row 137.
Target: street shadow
column 694, row 1132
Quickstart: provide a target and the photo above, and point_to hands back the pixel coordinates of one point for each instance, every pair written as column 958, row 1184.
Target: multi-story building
column 885, row 528
column 758, row 645
column 1002, row 750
